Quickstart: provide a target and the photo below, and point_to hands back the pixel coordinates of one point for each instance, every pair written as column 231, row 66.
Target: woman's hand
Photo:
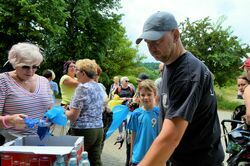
column 16, row 120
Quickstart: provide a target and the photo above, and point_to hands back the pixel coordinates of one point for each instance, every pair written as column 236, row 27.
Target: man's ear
column 176, row 35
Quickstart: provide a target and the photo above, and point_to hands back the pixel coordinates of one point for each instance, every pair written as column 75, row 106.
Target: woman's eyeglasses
column 34, row 67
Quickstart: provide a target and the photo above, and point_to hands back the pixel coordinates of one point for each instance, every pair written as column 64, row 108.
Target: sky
column 135, row 12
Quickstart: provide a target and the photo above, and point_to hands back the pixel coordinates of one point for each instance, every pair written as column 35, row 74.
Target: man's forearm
column 159, row 152
column 166, row 142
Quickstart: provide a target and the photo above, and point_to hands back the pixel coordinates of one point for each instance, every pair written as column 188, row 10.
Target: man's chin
column 156, row 57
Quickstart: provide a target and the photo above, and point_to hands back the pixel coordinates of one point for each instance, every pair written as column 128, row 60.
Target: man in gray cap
column 190, row 133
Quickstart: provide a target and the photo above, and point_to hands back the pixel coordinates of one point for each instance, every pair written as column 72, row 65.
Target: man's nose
column 152, row 47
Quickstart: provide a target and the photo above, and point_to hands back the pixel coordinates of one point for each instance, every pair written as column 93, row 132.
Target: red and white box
column 36, row 152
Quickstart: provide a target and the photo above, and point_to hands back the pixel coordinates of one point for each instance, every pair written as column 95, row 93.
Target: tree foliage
column 30, row 21
column 220, row 50
column 69, row 29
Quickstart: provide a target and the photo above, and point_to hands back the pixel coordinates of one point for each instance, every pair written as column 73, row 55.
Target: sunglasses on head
column 34, row 67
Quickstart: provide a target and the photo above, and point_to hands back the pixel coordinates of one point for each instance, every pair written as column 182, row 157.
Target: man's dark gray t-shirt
column 187, row 92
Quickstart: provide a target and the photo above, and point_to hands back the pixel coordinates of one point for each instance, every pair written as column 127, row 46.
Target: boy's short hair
column 49, row 74
column 147, row 85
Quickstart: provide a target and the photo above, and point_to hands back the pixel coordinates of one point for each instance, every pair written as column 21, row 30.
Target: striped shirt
column 14, row 99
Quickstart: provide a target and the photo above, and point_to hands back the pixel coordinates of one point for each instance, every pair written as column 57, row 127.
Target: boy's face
column 147, row 99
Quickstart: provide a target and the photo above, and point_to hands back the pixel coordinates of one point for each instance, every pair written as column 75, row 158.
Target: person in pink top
column 23, row 93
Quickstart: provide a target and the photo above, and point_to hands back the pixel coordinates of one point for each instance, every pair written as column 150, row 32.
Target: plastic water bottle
column 84, row 163
column 73, row 154
column 84, row 157
column 72, row 162
column 59, row 161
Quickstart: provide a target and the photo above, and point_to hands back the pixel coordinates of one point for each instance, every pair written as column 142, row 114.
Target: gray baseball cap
column 156, row 26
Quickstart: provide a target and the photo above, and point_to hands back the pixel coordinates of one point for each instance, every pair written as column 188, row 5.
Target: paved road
column 112, row 156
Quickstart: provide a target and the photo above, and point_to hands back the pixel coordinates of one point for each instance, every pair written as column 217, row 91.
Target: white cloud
column 137, row 11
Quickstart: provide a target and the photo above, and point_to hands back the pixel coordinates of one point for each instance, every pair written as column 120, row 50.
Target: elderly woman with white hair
column 23, row 93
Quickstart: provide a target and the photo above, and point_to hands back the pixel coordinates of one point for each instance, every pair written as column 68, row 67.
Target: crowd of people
column 175, row 121
column 25, row 94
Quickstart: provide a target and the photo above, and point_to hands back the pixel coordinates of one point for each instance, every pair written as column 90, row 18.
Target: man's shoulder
column 158, row 80
column 188, row 65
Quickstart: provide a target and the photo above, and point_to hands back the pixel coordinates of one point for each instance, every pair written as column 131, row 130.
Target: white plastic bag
column 57, row 130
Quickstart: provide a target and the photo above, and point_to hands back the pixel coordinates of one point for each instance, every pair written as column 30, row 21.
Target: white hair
column 25, row 54
column 124, row 78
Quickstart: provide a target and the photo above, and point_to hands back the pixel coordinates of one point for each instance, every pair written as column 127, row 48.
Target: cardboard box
column 27, row 149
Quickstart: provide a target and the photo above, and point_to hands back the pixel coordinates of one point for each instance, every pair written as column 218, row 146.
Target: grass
column 227, row 98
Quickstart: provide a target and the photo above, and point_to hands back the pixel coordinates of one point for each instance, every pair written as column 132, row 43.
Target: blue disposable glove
column 43, row 126
column 56, row 115
column 31, row 122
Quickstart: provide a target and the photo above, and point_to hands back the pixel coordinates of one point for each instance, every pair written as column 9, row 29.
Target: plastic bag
column 56, row 115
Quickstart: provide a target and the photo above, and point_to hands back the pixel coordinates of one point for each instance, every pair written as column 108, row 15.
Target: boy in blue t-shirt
column 144, row 122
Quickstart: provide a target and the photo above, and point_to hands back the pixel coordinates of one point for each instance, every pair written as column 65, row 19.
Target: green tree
column 33, row 21
column 94, row 31
column 220, row 50
column 69, row 29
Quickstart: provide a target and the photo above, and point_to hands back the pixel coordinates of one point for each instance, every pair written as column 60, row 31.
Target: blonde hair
column 98, row 70
column 116, row 78
column 25, row 54
column 88, row 66
column 148, row 85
